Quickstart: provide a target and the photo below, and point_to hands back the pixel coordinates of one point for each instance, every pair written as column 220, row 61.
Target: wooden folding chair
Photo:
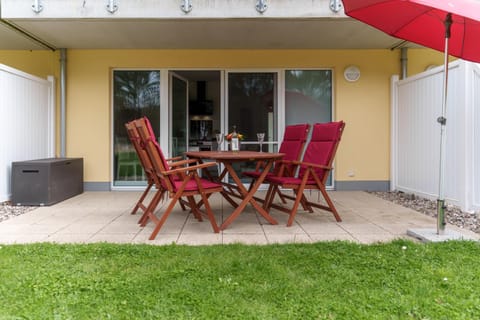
column 312, row 174
column 144, row 161
column 292, row 146
column 188, row 185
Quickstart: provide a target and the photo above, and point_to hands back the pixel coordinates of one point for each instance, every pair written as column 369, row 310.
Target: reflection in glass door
column 135, row 94
column 308, row 97
column 252, row 109
column 179, row 107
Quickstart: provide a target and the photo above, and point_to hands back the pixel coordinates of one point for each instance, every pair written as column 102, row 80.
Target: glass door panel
column 252, row 109
column 308, row 97
column 179, row 107
column 135, row 94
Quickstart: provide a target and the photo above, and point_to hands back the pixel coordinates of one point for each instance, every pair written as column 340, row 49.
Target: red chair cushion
column 160, row 153
column 255, row 174
column 192, row 185
column 322, row 145
column 288, row 180
column 296, row 132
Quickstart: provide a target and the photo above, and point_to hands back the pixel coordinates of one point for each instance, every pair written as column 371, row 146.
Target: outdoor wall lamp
column 112, row 6
column 336, row 5
column 186, row 6
column 261, row 6
column 37, row 6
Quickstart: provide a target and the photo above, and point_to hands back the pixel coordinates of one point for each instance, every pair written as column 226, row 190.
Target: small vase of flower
column 234, row 139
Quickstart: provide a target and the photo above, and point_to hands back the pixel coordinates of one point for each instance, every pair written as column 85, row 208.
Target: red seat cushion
column 287, row 180
column 292, row 144
column 255, row 174
column 192, row 185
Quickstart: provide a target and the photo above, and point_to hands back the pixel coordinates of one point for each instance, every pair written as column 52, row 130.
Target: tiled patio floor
column 105, row 217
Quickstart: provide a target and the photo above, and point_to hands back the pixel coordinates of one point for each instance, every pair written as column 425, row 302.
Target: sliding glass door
column 135, row 94
column 252, row 108
column 178, row 109
column 201, row 103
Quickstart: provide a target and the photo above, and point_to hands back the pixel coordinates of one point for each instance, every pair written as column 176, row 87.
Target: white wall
column 27, row 116
column 416, row 104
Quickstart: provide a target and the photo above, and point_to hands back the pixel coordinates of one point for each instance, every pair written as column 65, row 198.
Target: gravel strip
column 8, row 211
column 453, row 214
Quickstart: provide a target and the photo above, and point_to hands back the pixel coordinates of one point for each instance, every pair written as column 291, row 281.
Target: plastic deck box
column 45, row 182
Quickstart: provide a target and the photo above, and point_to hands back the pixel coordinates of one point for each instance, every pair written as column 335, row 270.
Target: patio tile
column 120, row 228
column 282, row 229
column 324, row 228
column 69, row 238
column 105, row 217
column 89, row 228
column 12, row 228
column 361, row 228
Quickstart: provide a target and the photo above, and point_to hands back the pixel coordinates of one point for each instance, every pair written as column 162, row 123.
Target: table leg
column 247, row 195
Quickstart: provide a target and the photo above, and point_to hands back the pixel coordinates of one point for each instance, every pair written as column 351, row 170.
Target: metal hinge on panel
column 336, row 5
column 186, row 6
column 261, row 6
column 112, row 6
column 37, row 6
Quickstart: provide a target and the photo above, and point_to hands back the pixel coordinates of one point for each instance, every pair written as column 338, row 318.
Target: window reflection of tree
column 250, row 99
column 136, row 94
column 316, row 84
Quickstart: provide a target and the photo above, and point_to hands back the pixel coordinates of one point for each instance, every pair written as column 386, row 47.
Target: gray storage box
column 46, row 181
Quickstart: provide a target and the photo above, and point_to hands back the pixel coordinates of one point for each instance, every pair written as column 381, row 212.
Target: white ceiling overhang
column 148, row 24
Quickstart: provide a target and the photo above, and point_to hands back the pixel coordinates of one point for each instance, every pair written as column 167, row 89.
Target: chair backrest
column 322, row 147
column 294, row 140
column 155, row 154
column 141, row 153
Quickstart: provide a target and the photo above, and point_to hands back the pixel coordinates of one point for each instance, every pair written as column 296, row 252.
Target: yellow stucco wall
column 364, row 105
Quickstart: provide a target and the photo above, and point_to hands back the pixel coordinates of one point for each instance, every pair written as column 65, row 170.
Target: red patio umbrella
column 450, row 26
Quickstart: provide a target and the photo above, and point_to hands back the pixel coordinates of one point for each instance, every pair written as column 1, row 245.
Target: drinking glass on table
column 219, row 137
column 260, row 137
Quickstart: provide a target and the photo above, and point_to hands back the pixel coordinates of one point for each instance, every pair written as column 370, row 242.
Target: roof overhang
column 148, row 24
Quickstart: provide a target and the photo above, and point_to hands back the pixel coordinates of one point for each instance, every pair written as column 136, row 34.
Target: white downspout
column 63, row 72
column 403, row 62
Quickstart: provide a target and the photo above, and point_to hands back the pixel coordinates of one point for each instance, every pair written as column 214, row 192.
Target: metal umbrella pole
column 443, row 121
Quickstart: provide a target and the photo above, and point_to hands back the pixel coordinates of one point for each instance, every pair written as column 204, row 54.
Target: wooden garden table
column 227, row 158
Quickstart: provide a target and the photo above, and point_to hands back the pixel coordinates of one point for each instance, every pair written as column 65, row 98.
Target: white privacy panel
column 27, row 113
column 416, row 138
column 476, row 136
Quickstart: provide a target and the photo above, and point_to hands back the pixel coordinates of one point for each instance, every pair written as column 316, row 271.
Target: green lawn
column 329, row 280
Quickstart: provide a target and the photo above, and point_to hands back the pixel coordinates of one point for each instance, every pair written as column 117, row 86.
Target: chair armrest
column 182, row 162
column 190, row 168
column 174, row 159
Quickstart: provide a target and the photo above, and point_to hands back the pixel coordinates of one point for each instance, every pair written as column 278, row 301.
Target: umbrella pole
column 443, row 121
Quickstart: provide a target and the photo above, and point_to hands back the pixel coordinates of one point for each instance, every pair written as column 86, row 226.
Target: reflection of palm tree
column 137, row 89
column 316, row 84
column 254, row 84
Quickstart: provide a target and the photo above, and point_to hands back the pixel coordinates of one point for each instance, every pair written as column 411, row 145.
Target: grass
column 329, row 280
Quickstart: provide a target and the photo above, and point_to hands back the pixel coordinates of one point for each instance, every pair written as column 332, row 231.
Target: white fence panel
column 27, row 113
column 476, row 136
column 416, row 135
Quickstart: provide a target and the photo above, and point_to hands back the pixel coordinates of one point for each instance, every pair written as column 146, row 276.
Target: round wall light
column 351, row 73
